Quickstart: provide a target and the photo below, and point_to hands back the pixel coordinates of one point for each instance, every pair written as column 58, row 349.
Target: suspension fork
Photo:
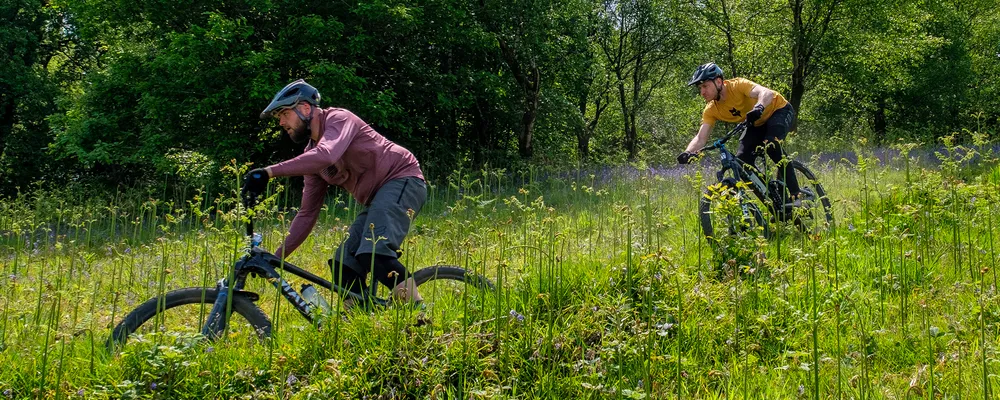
column 218, row 317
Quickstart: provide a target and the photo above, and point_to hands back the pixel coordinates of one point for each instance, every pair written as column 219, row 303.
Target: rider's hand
column 255, row 182
column 685, row 157
column 755, row 114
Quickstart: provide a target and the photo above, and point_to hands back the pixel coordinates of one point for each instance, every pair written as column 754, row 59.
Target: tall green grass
column 606, row 290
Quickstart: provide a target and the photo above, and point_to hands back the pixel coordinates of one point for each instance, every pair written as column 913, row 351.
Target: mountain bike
column 727, row 205
column 212, row 307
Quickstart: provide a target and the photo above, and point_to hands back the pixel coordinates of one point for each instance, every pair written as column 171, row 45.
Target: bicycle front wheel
column 184, row 311
column 725, row 213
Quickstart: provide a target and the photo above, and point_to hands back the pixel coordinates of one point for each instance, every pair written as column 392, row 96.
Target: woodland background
column 105, row 93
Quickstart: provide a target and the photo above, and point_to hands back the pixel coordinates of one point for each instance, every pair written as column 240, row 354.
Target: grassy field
column 607, row 289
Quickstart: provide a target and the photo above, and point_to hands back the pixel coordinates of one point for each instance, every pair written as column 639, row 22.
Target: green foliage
column 33, row 42
column 108, row 91
column 607, row 289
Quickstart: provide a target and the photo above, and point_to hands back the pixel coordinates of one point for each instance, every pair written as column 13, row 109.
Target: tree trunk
column 524, row 146
column 6, row 123
column 626, row 120
column 530, row 84
column 879, row 123
column 632, row 138
column 809, row 27
column 588, row 127
column 798, row 89
column 639, row 74
column 584, row 133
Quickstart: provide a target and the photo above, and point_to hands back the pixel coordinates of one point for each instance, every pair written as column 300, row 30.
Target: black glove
column 685, row 157
column 254, row 183
column 755, row 114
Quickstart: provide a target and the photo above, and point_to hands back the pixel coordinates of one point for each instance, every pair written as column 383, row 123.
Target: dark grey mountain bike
column 727, row 206
column 210, row 308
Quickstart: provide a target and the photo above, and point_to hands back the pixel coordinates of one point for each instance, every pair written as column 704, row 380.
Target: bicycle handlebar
column 719, row 142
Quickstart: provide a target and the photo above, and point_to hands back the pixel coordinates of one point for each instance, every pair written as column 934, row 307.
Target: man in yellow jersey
column 733, row 100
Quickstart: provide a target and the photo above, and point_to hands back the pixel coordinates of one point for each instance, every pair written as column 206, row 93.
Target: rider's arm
column 763, row 95
column 313, row 194
column 339, row 131
column 700, row 139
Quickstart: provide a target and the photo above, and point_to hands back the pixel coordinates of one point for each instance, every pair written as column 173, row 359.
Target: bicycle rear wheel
column 812, row 212
column 446, row 287
column 184, row 311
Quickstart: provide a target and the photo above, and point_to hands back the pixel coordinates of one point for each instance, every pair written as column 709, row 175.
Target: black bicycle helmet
column 290, row 96
column 705, row 72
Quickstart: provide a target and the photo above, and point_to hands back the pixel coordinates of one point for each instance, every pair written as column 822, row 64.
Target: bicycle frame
column 259, row 262
column 731, row 163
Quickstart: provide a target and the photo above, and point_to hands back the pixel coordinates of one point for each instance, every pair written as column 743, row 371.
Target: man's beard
column 300, row 134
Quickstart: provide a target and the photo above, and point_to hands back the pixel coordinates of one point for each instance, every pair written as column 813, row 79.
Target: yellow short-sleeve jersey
column 738, row 103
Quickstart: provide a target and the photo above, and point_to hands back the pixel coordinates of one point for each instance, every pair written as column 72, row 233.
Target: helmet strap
column 306, row 119
column 718, row 90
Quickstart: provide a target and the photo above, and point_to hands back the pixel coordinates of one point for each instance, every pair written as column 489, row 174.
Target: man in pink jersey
column 345, row 151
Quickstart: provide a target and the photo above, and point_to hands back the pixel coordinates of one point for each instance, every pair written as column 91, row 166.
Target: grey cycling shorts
column 382, row 226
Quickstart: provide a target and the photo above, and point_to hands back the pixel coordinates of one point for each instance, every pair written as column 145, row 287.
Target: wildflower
column 79, row 392
column 209, row 349
column 152, row 386
column 516, row 315
column 291, row 380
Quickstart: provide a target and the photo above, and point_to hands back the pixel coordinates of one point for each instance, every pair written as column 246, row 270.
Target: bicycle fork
column 218, row 317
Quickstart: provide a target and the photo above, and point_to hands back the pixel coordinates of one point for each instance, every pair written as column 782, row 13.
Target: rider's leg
column 347, row 278
column 751, row 145
column 785, row 172
column 392, row 209
column 391, row 273
column 347, row 271
column 775, row 131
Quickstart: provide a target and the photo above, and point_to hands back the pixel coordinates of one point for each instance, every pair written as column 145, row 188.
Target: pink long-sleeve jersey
column 349, row 154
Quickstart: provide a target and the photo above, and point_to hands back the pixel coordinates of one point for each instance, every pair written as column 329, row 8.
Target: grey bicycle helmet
column 705, row 72
column 291, row 95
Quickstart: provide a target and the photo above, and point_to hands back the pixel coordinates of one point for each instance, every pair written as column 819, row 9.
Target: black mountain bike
column 727, row 206
column 210, row 308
